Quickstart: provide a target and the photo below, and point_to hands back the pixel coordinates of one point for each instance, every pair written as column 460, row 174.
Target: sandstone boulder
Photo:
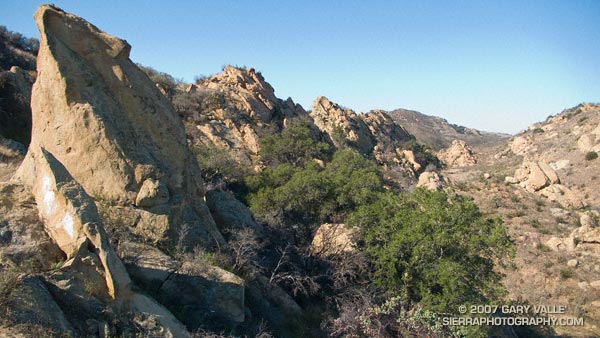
column 431, row 181
column 71, row 219
column 409, row 155
column 153, row 192
column 93, row 277
column 459, row 154
column 229, row 213
column 195, row 291
column 588, row 220
column 563, row 195
column 91, row 101
column 521, row 145
column 333, row 239
column 534, row 176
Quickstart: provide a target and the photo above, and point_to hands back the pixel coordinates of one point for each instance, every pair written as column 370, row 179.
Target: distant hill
column 437, row 133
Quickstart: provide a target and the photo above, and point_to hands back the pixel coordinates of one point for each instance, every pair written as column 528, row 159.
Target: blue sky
column 492, row 65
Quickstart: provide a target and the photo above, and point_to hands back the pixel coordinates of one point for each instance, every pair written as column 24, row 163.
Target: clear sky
column 493, row 65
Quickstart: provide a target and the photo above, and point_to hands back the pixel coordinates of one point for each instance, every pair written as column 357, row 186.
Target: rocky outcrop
column 71, row 219
column 533, row 176
column 431, row 180
column 459, row 154
column 563, row 195
column 590, row 141
column 584, row 238
column 91, row 101
column 372, row 133
column 233, row 110
column 212, row 295
column 539, row 177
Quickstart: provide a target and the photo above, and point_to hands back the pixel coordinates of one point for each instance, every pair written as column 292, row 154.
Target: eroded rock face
column 459, row 154
column 372, row 133
column 90, row 101
column 233, row 110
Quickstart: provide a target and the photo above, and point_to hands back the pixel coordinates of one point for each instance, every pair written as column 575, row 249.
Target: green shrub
column 295, row 145
column 438, row 249
column 591, row 155
column 566, row 273
column 312, row 194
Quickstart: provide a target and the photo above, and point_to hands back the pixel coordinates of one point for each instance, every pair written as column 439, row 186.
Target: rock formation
column 373, row 133
column 91, row 101
column 233, row 110
column 431, row 180
column 459, row 154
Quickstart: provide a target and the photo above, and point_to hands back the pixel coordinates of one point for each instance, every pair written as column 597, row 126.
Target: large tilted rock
column 71, row 219
column 111, row 128
column 459, row 154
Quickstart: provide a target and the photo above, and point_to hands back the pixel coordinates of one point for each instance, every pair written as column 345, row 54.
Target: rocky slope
column 437, row 133
column 543, row 182
column 137, row 187
column 233, row 110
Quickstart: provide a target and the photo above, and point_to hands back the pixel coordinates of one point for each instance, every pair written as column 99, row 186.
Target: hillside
column 437, row 133
column 543, row 182
column 136, row 205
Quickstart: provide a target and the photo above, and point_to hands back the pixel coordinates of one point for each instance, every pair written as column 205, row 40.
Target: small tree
column 294, row 145
column 437, row 249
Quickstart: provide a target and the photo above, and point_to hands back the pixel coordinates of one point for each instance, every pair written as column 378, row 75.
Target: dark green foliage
column 437, row 249
column 295, row 145
column 312, row 194
column 591, row 155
